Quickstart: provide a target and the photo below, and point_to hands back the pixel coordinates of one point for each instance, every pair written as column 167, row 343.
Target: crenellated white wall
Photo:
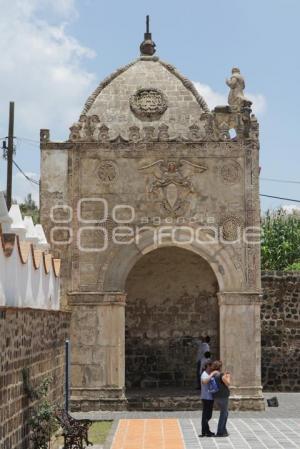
column 24, row 285
column 29, row 276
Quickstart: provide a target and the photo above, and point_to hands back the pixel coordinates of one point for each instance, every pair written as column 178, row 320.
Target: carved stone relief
column 230, row 172
column 163, row 133
column 107, row 172
column 149, row 133
column 171, row 181
column 134, row 134
column 194, row 133
column 148, row 103
column 231, row 227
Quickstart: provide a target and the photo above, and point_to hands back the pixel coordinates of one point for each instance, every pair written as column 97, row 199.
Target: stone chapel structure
column 153, row 206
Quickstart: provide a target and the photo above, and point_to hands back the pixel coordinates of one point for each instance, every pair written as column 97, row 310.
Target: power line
column 280, row 198
column 27, row 139
column 285, row 181
column 30, row 142
column 34, row 181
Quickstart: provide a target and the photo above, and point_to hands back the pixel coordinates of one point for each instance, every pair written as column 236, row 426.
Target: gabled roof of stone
column 185, row 81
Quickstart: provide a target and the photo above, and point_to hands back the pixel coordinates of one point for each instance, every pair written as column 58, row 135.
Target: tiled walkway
column 148, row 434
column 275, row 428
column 183, row 434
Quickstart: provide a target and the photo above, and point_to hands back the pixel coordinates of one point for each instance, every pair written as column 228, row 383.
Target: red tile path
column 148, row 434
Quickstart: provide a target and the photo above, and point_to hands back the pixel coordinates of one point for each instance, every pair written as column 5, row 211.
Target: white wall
column 22, row 285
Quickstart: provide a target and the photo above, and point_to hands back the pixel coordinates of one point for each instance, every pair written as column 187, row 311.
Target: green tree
column 280, row 249
column 30, row 208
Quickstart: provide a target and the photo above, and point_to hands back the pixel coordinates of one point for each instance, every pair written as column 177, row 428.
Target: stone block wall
column 34, row 339
column 171, row 302
column 280, row 315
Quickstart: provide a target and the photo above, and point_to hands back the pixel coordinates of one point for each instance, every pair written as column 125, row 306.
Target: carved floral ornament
column 231, row 227
column 230, row 172
column 148, row 103
column 107, row 172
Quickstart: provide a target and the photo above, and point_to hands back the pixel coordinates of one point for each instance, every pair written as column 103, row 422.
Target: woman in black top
column 221, row 397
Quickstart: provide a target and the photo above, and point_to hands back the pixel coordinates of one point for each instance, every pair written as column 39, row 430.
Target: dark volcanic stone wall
column 31, row 339
column 171, row 302
column 280, row 315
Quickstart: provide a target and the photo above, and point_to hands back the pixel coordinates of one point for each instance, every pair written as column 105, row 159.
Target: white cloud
column 214, row 98
column 41, row 68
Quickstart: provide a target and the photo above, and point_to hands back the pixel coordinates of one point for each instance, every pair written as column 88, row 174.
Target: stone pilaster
column 240, row 347
column 98, row 345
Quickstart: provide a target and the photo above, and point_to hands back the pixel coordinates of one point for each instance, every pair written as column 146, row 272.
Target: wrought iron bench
column 74, row 431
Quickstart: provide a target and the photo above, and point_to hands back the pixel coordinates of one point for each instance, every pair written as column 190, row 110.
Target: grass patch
column 97, row 433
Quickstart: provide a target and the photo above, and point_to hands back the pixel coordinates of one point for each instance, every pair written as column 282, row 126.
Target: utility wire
column 27, row 140
column 285, row 181
column 280, row 198
column 30, row 142
column 34, row 181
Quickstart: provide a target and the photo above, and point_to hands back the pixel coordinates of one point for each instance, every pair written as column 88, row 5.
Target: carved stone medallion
column 230, row 172
column 231, row 228
column 107, row 172
column 148, row 104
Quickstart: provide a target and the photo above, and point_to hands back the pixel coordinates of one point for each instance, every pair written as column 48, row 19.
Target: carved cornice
column 96, row 298
column 239, row 298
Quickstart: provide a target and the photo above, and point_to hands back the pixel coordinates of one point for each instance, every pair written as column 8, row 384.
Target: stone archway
column 171, row 301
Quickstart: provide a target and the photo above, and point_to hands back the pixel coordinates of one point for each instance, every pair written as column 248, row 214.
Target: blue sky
column 56, row 51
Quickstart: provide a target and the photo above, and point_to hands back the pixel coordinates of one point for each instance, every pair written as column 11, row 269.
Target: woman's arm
column 205, row 381
column 226, row 379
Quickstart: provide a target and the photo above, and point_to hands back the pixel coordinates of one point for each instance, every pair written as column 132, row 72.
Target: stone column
column 240, row 347
column 98, row 350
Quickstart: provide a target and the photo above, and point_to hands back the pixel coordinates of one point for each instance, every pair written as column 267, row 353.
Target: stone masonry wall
column 281, row 331
column 34, row 339
column 171, row 302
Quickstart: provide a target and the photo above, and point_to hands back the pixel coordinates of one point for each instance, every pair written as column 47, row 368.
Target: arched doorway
column 171, row 302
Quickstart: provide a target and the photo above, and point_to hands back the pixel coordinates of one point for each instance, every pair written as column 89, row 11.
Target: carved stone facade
column 146, row 167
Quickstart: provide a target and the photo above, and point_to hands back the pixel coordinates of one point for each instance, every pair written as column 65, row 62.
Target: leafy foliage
column 42, row 422
column 30, row 208
column 293, row 267
column 280, row 248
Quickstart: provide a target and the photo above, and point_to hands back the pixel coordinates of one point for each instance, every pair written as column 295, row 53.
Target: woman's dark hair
column 208, row 363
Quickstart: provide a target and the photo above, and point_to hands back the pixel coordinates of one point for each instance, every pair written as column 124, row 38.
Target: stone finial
column 147, row 47
column 134, row 134
column 163, row 132
column 42, row 241
column 236, row 97
column 75, row 131
column 31, row 234
column 17, row 226
column 5, row 219
column 44, row 135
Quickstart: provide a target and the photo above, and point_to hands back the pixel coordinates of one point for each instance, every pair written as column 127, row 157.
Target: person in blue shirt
column 221, row 397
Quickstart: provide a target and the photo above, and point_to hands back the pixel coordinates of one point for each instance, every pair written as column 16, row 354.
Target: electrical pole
column 10, row 152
